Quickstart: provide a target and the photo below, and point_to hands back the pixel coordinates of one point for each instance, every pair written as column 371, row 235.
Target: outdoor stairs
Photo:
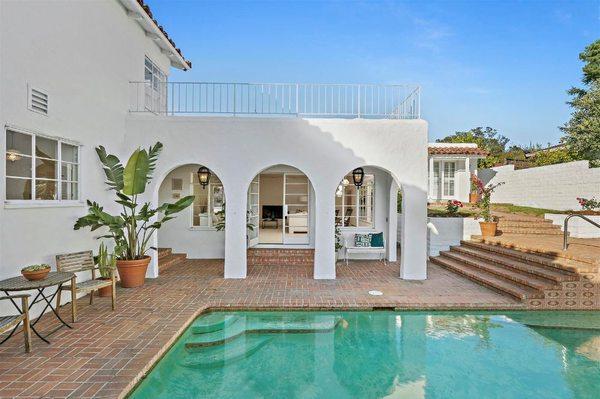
column 280, row 256
column 217, row 339
column 168, row 259
column 533, row 277
column 528, row 225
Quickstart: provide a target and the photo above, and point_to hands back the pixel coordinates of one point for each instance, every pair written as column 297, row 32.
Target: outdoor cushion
column 377, row 240
column 362, row 240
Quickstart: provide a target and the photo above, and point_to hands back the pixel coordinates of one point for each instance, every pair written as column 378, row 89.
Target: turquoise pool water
column 382, row 355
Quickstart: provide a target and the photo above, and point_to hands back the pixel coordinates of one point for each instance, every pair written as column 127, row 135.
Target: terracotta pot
column 488, row 229
column 105, row 291
column 35, row 275
column 473, row 198
column 133, row 272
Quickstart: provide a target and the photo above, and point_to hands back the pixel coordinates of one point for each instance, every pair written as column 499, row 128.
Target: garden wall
column 578, row 228
column 550, row 187
column 442, row 233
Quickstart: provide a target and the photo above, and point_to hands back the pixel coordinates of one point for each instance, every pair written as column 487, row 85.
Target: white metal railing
column 277, row 99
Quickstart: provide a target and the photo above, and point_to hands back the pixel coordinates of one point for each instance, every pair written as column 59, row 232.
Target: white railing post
column 234, row 91
column 297, row 99
column 358, row 109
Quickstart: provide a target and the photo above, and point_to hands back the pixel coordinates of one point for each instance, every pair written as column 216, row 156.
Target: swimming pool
column 382, row 355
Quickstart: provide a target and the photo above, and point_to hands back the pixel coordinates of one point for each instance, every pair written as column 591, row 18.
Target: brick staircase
column 535, row 278
column 276, row 256
column 528, row 225
column 167, row 259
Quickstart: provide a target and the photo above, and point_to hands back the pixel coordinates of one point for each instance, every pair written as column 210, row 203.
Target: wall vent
column 37, row 100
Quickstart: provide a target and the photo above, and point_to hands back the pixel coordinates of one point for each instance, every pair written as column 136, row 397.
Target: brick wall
column 551, row 187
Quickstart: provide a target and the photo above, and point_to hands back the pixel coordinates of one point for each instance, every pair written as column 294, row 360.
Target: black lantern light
column 357, row 176
column 203, row 176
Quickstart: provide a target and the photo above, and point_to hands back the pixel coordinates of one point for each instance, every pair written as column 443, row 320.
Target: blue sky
column 504, row 64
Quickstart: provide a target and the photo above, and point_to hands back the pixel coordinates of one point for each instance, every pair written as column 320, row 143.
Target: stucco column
column 235, row 233
column 392, row 235
column 152, row 271
column 430, row 181
column 324, row 235
column 413, row 251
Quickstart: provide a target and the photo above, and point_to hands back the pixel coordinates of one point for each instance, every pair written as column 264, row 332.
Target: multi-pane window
column 355, row 207
column 209, row 202
column 40, row 168
column 156, row 88
column 444, row 180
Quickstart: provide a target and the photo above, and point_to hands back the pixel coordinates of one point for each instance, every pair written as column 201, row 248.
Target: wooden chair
column 78, row 262
column 9, row 322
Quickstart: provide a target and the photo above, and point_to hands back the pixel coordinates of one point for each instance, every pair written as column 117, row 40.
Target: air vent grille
column 38, row 101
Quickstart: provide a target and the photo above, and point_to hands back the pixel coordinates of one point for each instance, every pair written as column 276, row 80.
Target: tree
column 582, row 131
column 486, row 138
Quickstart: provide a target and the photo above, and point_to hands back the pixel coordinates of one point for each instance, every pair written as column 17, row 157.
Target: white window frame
column 155, row 89
column 442, row 179
column 37, row 202
column 357, row 205
column 209, row 187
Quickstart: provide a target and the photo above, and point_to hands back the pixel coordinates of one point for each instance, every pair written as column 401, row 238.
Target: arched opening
column 281, row 219
column 197, row 232
column 366, row 202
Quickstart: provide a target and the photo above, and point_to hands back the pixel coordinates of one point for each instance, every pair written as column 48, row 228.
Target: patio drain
column 375, row 293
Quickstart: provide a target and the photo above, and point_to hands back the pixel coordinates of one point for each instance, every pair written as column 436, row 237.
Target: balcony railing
column 277, row 99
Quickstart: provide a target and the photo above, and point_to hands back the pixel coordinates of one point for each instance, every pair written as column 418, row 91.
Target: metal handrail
column 566, row 227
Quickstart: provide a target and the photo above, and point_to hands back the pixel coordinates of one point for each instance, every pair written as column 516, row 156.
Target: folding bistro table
column 20, row 283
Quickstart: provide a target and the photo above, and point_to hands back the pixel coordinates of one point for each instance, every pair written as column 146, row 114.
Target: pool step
column 213, row 322
column 218, row 356
column 251, row 326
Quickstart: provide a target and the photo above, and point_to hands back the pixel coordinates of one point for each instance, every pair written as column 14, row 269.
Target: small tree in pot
column 133, row 228
column 489, row 226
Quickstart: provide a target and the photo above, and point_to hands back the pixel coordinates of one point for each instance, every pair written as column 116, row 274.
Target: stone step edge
column 482, row 278
column 551, row 255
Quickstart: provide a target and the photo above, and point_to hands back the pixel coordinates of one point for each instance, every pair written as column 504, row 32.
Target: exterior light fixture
column 203, row 176
column 357, row 176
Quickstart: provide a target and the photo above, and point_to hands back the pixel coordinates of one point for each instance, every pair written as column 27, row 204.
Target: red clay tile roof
column 457, row 151
column 146, row 8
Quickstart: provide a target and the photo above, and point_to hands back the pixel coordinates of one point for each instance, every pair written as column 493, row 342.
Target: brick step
column 494, row 282
column 524, row 254
column 268, row 256
column 549, row 273
column 170, row 260
column 162, row 252
column 521, row 278
column 531, row 230
column 543, row 223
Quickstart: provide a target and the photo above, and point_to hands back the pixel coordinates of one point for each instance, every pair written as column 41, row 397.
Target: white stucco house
column 450, row 168
column 76, row 75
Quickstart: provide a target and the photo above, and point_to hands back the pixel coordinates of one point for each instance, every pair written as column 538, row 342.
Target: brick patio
column 107, row 352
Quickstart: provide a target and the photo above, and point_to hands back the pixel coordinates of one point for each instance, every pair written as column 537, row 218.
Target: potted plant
column 489, row 226
column 338, row 242
column 473, row 195
column 35, row 272
column 133, row 228
column 107, row 263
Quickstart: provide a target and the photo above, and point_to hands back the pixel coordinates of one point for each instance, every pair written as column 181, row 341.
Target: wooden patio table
column 20, row 283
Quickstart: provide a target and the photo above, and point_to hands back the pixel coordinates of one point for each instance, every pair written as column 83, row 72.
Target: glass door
column 253, row 212
column 449, row 180
column 295, row 208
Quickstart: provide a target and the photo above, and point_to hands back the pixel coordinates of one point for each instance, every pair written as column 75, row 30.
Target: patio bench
column 351, row 247
column 11, row 322
column 78, row 262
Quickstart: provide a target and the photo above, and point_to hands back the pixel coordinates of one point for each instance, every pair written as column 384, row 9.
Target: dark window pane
column 46, row 148
column 21, row 166
column 18, row 189
column 45, row 168
column 18, row 143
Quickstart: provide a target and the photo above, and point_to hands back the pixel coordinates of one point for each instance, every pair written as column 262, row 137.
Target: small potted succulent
column 35, row 272
column 107, row 264
column 489, row 226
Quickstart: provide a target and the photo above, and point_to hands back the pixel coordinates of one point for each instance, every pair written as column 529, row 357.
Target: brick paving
column 107, row 352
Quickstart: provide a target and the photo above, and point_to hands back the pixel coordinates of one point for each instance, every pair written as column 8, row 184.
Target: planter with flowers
column 473, row 195
column 133, row 228
column 489, row 226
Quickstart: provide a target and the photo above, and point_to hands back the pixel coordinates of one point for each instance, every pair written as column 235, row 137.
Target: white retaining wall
column 442, row 233
column 578, row 228
column 551, row 187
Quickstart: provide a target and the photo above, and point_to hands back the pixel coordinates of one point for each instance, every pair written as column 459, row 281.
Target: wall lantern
column 357, row 176
column 203, row 176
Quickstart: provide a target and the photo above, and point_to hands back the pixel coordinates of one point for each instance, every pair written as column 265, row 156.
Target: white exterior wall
column 550, row 187
column 578, row 228
column 83, row 54
column 236, row 149
column 465, row 167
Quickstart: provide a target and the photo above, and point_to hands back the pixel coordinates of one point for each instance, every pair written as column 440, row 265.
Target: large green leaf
column 153, row 153
column 135, row 176
column 112, row 169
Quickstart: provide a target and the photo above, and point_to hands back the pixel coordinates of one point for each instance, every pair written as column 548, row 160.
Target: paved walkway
column 108, row 351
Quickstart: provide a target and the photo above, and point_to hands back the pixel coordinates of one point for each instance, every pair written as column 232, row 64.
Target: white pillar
column 324, row 235
column 413, row 253
column 235, row 233
column 152, row 271
column 392, row 236
column 430, row 181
